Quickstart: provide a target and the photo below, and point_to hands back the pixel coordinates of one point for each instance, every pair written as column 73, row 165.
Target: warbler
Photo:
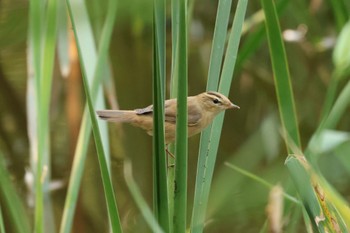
column 202, row 109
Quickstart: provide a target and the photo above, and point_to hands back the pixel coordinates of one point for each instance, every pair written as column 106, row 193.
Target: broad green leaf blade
column 85, row 129
column 328, row 140
column 13, row 205
column 181, row 150
column 106, row 179
column 140, row 201
column 207, row 160
column 160, row 187
column 337, row 111
column 323, row 215
column 281, row 73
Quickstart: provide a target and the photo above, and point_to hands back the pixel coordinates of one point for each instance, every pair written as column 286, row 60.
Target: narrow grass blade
column 313, row 149
column 42, row 38
column 341, row 54
column 218, row 46
column 341, row 60
column 281, row 73
column 181, row 150
column 160, row 188
column 249, row 155
column 251, row 44
column 261, row 181
column 173, row 94
column 323, row 215
column 2, row 225
column 216, row 58
column 340, row 12
column 337, row 111
column 174, row 44
column 106, row 179
column 85, row 129
column 34, row 60
column 232, row 48
column 63, row 39
column 254, row 40
column 328, row 141
column 330, row 97
column 13, row 205
column 206, row 162
column 47, row 66
column 140, row 201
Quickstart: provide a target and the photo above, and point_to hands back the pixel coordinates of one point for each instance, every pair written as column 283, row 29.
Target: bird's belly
column 170, row 129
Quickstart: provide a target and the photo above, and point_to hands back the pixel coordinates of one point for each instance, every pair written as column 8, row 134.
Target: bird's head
column 215, row 102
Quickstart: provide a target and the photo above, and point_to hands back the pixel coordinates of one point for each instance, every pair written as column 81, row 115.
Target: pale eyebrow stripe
column 214, row 94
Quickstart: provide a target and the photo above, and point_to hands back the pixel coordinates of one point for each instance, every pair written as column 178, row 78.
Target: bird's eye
column 216, row 101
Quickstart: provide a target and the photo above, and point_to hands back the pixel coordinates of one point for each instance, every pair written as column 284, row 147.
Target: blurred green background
column 251, row 137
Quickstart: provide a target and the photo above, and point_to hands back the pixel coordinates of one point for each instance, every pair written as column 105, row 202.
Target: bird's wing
column 194, row 114
column 170, row 110
column 146, row 110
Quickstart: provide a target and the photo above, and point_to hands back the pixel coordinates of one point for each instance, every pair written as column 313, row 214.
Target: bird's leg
column 169, row 153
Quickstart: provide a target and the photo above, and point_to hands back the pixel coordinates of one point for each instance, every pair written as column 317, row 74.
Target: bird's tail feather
column 116, row 115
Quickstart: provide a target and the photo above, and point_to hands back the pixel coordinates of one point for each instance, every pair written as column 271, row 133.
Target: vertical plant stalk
column 138, row 198
column 181, row 150
column 173, row 94
column 12, row 206
column 216, row 57
column 42, row 38
column 106, row 178
column 207, row 160
column 321, row 210
column 2, row 225
column 282, row 80
column 85, row 129
column 35, row 31
column 160, row 188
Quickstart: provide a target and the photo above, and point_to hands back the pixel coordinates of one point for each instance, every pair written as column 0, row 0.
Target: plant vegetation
column 279, row 164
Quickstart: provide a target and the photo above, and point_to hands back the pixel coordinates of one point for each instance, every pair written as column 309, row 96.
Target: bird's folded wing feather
column 194, row 114
column 146, row 110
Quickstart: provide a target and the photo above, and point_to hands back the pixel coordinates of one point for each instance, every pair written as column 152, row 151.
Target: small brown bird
column 202, row 109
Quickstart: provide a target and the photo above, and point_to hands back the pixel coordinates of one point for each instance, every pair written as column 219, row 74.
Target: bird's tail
column 117, row 115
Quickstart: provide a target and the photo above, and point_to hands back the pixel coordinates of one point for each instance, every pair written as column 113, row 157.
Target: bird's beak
column 234, row 106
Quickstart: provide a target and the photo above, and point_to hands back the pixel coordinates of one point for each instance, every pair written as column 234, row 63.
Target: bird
column 202, row 109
